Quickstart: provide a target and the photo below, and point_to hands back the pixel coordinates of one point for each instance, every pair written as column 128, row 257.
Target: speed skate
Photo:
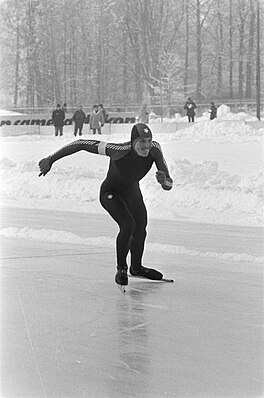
column 152, row 280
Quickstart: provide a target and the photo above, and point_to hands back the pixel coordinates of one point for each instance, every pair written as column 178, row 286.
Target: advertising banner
column 45, row 119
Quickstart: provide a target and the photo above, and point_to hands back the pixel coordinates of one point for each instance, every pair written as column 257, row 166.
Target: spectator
column 64, row 107
column 190, row 106
column 213, row 111
column 102, row 109
column 78, row 119
column 152, row 115
column 58, row 116
column 96, row 120
column 144, row 115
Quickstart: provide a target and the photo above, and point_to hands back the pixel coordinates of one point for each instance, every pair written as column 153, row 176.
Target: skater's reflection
column 133, row 345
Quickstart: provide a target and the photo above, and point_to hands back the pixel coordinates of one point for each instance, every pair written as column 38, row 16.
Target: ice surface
column 67, row 331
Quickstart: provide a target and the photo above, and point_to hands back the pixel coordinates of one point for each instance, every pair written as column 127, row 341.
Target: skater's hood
column 140, row 130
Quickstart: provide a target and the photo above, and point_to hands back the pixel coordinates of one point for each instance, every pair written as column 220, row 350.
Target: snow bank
column 197, row 188
column 203, row 189
column 220, row 130
column 60, row 236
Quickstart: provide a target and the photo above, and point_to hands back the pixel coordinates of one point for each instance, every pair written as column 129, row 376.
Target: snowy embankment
column 201, row 191
column 60, row 236
column 217, row 168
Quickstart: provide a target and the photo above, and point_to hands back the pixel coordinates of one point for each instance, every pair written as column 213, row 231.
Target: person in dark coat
column 190, row 106
column 58, row 116
column 213, row 111
column 78, row 119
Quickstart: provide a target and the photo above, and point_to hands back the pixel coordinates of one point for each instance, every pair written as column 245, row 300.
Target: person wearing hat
column 96, row 120
column 213, row 111
column 58, row 116
column 190, row 107
column 78, row 120
column 120, row 193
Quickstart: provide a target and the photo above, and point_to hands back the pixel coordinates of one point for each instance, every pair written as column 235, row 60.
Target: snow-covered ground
column 217, row 168
column 68, row 332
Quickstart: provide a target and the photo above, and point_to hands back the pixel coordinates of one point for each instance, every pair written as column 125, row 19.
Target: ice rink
column 67, row 331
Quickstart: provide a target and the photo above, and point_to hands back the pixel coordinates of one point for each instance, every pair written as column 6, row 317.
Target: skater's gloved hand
column 161, row 177
column 44, row 166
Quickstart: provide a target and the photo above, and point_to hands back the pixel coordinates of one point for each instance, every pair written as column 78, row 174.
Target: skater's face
column 142, row 146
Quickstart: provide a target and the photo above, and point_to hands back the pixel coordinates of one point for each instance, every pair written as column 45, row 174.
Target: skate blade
column 152, row 280
column 122, row 288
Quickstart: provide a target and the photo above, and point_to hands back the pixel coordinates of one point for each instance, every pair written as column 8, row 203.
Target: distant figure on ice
column 96, row 120
column 120, row 193
column 190, row 106
column 213, row 111
column 78, row 119
column 58, row 116
column 144, row 115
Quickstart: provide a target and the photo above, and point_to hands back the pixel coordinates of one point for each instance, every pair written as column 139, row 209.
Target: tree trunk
column 231, row 29
column 73, row 68
column 241, row 49
column 250, row 51
column 220, row 50
column 30, row 68
column 65, row 52
column 17, row 56
column 187, row 39
column 125, row 67
column 54, row 69
column 199, row 52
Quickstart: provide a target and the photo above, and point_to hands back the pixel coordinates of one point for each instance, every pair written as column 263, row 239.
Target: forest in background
column 127, row 52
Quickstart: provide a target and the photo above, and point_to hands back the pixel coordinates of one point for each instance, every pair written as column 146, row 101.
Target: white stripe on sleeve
column 102, row 148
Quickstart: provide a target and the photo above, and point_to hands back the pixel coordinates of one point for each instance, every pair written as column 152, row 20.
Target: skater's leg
column 137, row 244
column 119, row 211
column 138, row 210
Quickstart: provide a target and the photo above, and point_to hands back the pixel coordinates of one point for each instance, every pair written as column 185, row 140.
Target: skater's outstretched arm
column 114, row 151
column 162, row 175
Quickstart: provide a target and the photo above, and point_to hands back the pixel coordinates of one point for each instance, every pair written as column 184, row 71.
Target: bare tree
column 231, row 62
column 250, row 51
column 17, row 55
column 187, row 43
column 198, row 51
column 122, row 51
column 242, row 15
column 220, row 49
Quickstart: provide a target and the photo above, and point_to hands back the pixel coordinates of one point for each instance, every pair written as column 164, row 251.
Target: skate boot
column 148, row 273
column 121, row 276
